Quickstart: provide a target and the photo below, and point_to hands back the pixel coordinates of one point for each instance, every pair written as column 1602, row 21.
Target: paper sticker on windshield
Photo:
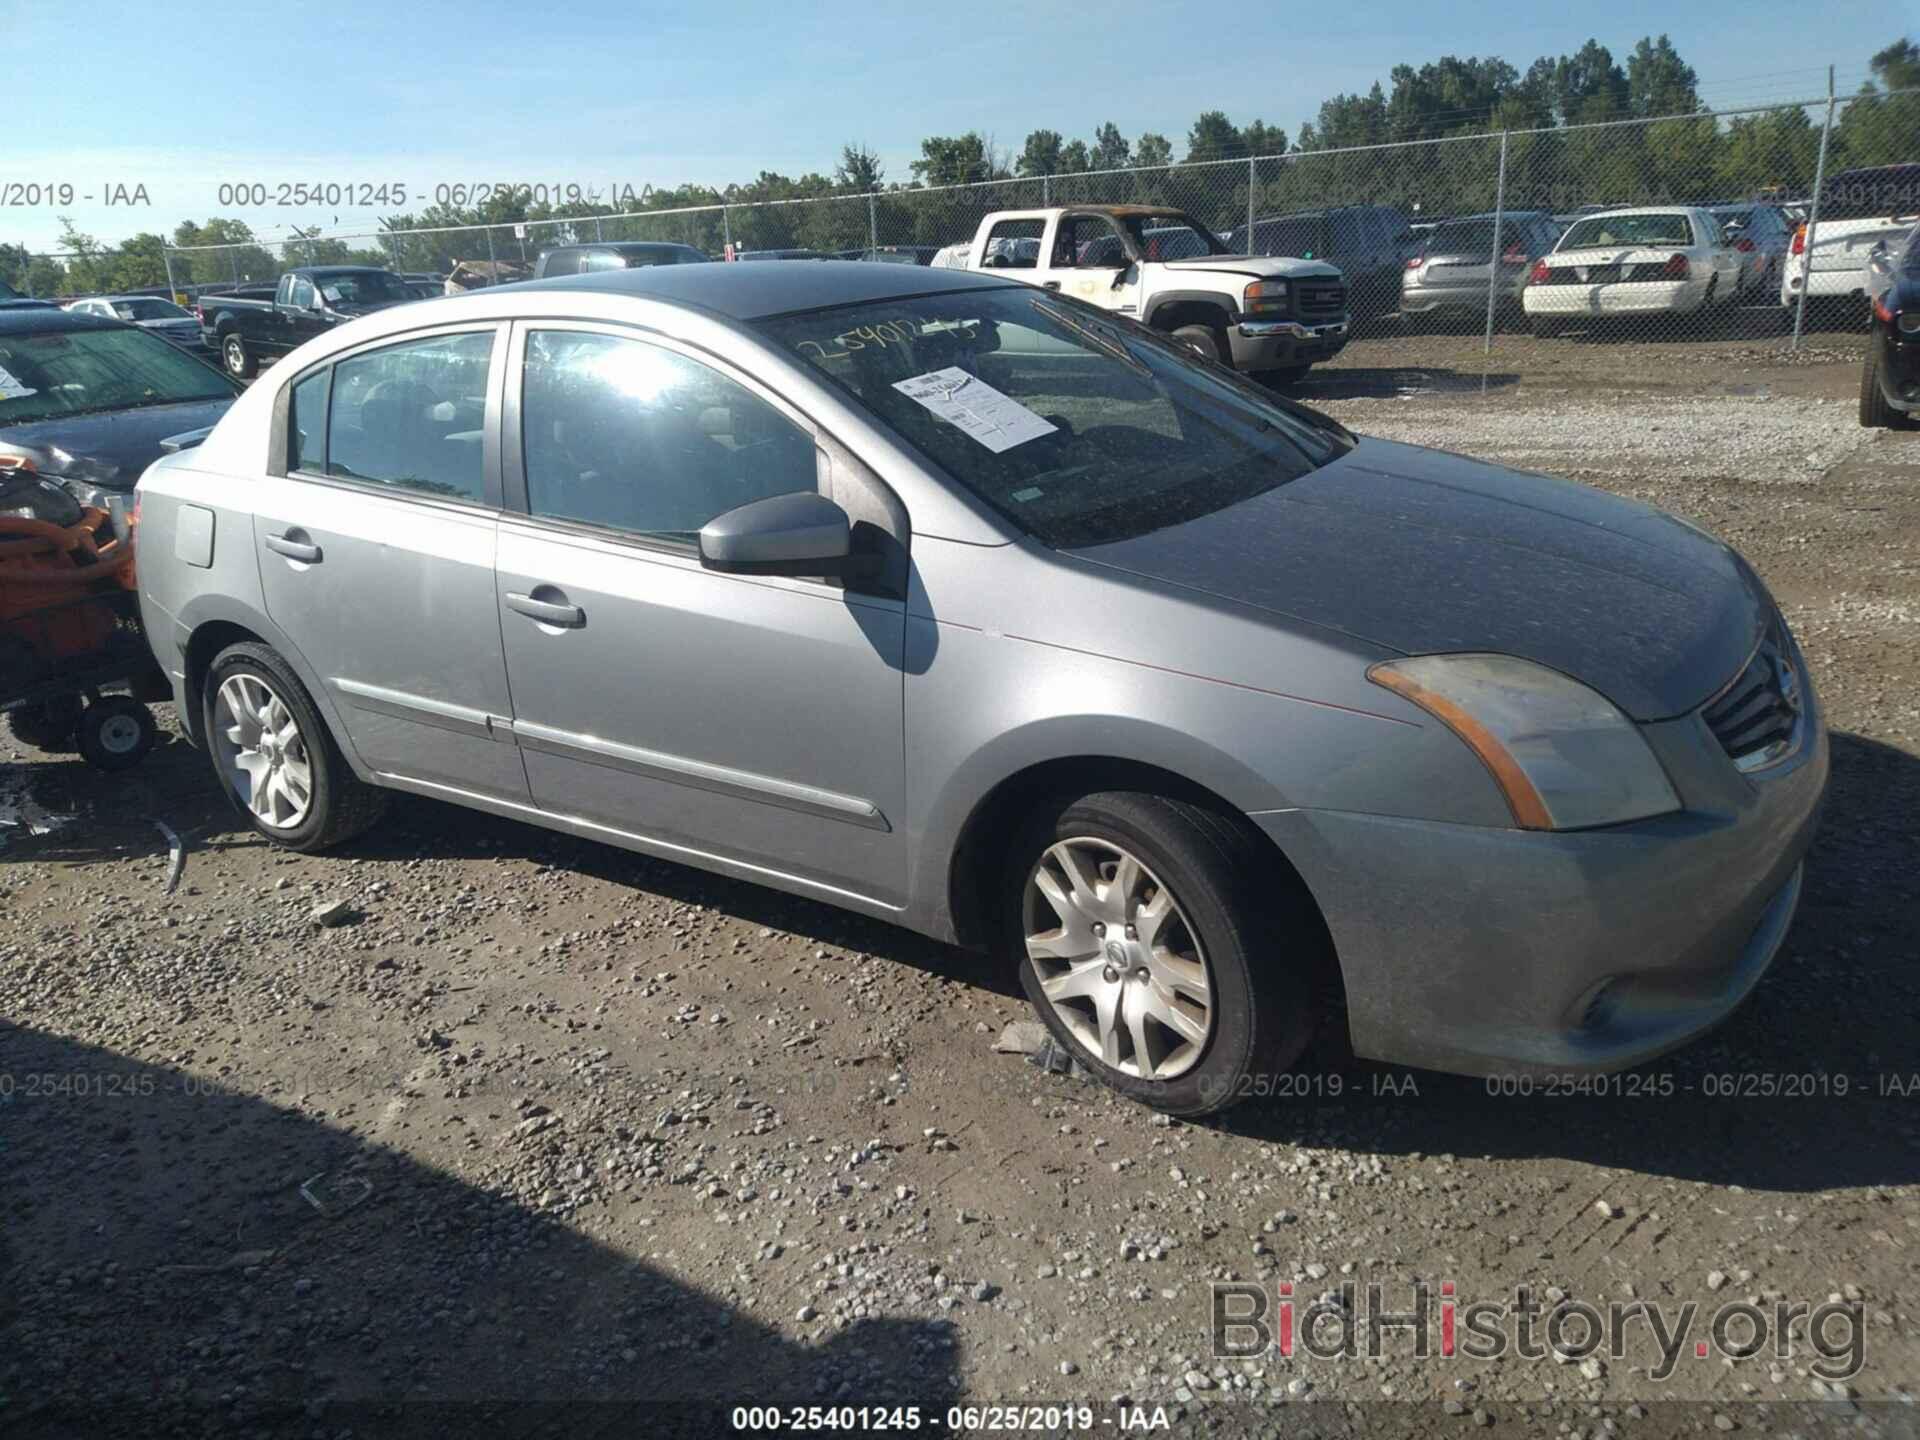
column 12, row 389
column 997, row 421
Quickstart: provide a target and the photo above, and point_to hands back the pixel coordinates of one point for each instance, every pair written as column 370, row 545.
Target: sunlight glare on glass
column 634, row 372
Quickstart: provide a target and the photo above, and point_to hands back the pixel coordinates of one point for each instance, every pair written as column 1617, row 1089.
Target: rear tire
column 236, row 358
column 1875, row 412
column 1209, row 342
column 47, row 727
column 1129, row 907
column 275, row 757
column 115, row 733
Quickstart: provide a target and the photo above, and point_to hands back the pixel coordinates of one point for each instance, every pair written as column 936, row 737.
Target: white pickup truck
column 1166, row 270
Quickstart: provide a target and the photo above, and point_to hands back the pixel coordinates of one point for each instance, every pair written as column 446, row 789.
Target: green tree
column 1040, row 155
column 1110, row 150
column 1659, row 82
column 1878, row 126
column 859, row 171
column 953, row 160
column 1153, row 150
column 1214, row 137
column 1075, row 159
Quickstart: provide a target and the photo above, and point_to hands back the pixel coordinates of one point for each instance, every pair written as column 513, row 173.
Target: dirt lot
column 589, row 1136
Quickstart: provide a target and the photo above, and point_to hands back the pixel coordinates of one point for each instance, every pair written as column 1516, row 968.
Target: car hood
column 111, row 449
column 1259, row 266
column 1425, row 552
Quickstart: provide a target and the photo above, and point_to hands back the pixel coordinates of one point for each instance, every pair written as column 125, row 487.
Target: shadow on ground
column 1791, row 1094
column 161, row 1273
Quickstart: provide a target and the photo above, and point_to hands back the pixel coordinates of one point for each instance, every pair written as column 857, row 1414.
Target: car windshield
column 138, row 310
column 361, row 287
column 1598, row 230
column 1162, row 237
column 1302, row 237
column 75, row 372
column 1078, row 429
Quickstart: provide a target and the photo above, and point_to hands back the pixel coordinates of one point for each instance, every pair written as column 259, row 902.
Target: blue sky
column 599, row 93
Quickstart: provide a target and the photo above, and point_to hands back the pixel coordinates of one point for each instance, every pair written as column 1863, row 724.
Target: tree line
column 1566, row 146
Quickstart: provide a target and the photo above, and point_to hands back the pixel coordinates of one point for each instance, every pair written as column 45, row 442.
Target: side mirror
column 800, row 534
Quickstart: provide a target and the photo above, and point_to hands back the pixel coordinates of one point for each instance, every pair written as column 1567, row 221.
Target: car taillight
column 200, row 314
column 1516, row 255
column 1414, row 262
column 1676, row 268
column 1743, row 244
column 1539, row 274
column 1880, row 309
column 1800, row 240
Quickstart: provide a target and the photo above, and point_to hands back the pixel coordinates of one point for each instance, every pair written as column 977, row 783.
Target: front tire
column 1160, row 950
column 1209, row 342
column 237, row 359
column 276, row 758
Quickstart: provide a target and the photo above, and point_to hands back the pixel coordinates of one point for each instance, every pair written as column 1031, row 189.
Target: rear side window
column 634, row 437
column 1015, row 244
column 307, row 423
column 560, row 262
column 411, row 416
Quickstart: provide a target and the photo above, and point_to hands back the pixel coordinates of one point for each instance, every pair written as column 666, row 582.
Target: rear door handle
column 548, row 612
column 294, row 549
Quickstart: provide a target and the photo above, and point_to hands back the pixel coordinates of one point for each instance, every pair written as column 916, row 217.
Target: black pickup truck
column 246, row 327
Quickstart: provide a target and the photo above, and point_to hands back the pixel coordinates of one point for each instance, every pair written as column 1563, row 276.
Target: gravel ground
column 535, row 1137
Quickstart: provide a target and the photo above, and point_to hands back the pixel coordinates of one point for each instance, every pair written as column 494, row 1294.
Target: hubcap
column 262, row 752
column 1116, row 959
column 119, row 735
column 236, row 357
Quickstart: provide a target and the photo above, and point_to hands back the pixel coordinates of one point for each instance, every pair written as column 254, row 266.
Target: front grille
column 1757, row 717
column 1319, row 300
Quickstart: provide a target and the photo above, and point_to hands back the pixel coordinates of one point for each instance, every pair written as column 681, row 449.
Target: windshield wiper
column 1105, row 344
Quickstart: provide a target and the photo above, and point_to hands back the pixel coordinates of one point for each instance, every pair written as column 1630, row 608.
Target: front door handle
column 294, row 548
column 548, row 612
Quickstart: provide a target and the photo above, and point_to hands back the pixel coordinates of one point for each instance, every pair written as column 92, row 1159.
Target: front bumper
column 1277, row 344
column 1485, row 951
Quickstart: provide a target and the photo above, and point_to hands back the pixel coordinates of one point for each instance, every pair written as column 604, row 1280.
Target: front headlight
column 1264, row 296
column 1563, row 755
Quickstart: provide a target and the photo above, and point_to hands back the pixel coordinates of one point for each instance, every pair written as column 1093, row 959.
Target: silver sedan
column 981, row 611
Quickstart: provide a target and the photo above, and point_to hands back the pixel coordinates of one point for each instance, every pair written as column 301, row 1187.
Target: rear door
column 376, row 544
column 753, row 719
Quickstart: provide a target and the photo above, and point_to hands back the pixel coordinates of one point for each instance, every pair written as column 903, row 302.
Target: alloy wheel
column 1116, row 959
column 262, row 752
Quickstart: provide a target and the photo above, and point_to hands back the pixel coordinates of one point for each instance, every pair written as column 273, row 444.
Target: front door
column 376, row 557
column 1090, row 262
column 752, row 719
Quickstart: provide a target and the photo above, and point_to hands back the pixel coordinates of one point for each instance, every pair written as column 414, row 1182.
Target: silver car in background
column 981, row 611
column 1446, row 278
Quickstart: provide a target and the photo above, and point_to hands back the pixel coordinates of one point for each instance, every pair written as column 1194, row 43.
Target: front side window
column 1078, row 428
column 561, row 262
column 301, row 294
column 628, row 435
column 1087, row 240
column 411, row 416
column 79, row 372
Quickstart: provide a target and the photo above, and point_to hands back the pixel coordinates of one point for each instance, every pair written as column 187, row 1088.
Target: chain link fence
column 1743, row 216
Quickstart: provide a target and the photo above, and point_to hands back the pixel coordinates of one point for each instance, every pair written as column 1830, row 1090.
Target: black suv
column 614, row 255
column 1368, row 242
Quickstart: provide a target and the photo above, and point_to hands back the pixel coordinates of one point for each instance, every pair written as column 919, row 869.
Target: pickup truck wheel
column 1209, row 342
column 1157, row 949
column 236, row 357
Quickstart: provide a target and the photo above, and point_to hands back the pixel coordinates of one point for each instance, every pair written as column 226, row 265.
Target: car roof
column 621, row 245
column 754, row 292
column 1639, row 210
column 32, row 319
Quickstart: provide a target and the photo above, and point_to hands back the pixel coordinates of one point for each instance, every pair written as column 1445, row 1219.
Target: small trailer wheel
column 116, row 732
